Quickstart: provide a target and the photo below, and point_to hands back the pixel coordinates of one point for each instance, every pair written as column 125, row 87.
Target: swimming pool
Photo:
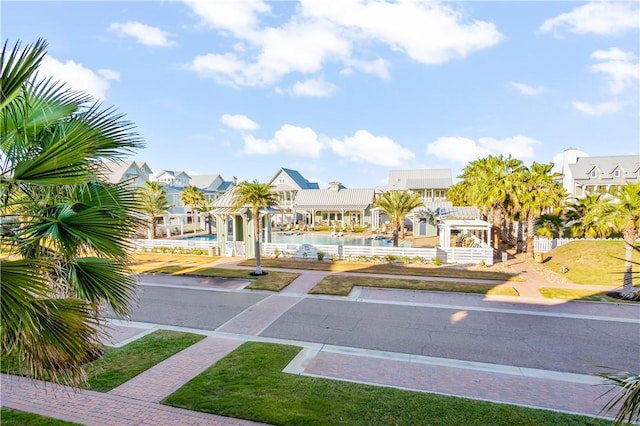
column 347, row 240
column 300, row 238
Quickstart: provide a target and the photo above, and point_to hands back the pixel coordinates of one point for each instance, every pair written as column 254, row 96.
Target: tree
column 64, row 230
column 622, row 213
column 153, row 202
column 205, row 206
column 256, row 195
column 396, row 205
column 190, row 197
column 489, row 185
column 536, row 192
column 577, row 218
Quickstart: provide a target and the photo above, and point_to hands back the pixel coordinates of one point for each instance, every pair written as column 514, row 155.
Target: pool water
column 301, row 238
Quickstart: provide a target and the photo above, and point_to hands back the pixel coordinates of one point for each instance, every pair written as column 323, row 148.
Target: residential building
column 134, row 172
column 286, row 184
column 431, row 184
column 582, row 176
column 212, row 186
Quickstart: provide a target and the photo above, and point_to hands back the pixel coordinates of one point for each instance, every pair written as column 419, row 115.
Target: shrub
column 405, row 259
column 418, row 259
column 375, row 258
column 334, row 257
column 482, row 263
column 390, row 258
column 321, row 255
column 276, row 253
column 436, row 261
column 362, row 258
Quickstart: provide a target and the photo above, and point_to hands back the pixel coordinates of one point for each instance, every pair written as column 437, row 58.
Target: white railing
column 186, row 244
column 340, row 252
column 543, row 245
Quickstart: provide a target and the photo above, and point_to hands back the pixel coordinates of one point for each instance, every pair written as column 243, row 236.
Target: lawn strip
column 578, row 294
column 273, row 281
column 386, row 268
column 119, row 365
column 10, row 417
column 249, row 384
column 341, row 285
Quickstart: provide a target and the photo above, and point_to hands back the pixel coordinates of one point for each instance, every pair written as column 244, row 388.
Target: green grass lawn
column 590, row 262
column 341, row 285
column 578, row 294
column 249, row 384
column 387, row 268
column 9, row 417
column 119, row 365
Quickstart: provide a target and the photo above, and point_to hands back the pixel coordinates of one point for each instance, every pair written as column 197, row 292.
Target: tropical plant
column 578, row 220
column 65, row 231
column 488, row 184
column 628, row 399
column 396, row 205
column 153, row 202
column 206, row 206
column 256, row 195
column 191, row 197
column 549, row 226
column 536, row 192
column 622, row 213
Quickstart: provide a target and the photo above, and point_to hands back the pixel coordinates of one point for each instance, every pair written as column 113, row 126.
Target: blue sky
column 348, row 90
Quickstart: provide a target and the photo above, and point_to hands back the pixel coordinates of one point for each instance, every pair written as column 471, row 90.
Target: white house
column 582, row 176
column 137, row 173
column 431, row 184
column 286, row 184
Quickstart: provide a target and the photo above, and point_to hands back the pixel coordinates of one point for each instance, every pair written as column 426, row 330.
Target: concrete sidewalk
column 137, row 401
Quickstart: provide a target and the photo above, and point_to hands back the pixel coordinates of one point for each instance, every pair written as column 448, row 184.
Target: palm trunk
column 153, row 227
column 395, row 237
column 402, row 223
column 531, row 229
column 630, row 236
column 256, row 241
column 496, row 220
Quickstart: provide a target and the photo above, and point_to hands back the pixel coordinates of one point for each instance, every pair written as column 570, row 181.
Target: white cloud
column 321, row 32
column 525, row 89
column 239, row 122
column 78, row 77
column 460, row 150
column 291, row 140
column 602, row 18
column 365, row 147
column 144, row 34
column 603, row 108
column 313, row 87
column 620, row 68
column 238, row 17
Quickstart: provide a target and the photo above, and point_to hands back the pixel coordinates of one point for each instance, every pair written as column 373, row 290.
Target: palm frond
column 627, row 400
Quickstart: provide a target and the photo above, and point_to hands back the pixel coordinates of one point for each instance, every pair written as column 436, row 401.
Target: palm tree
column 65, row 231
column 257, row 195
column 537, row 192
column 396, row 205
column 549, row 225
column 190, row 197
column 153, row 202
column 489, row 186
column 205, row 206
column 577, row 216
column 622, row 213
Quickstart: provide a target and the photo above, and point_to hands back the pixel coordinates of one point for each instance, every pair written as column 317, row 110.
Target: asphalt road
column 552, row 343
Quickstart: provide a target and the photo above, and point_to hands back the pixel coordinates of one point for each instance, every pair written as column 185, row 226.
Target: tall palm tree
column 206, row 206
column 622, row 213
column 489, row 186
column 396, row 205
column 256, row 195
column 191, row 197
column 153, row 202
column 537, row 192
column 65, row 230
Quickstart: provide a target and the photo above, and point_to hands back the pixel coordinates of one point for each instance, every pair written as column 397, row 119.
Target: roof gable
column 287, row 179
column 420, row 179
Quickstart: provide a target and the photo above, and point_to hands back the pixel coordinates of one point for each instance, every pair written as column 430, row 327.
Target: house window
column 616, row 173
column 594, row 173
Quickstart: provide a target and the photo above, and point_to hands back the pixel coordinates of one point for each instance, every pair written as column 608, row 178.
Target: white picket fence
column 543, row 245
column 340, row 252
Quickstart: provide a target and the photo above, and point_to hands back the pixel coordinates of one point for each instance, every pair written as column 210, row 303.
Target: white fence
column 543, row 245
column 340, row 252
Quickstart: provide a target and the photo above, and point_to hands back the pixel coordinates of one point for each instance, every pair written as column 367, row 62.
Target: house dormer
column 618, row 172
column 595, row 172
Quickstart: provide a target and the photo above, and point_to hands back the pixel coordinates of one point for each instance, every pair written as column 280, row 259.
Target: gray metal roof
column 420, row 179
column 296, row 177
column 446, row 210
column 354, row 199
column 606, row 166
